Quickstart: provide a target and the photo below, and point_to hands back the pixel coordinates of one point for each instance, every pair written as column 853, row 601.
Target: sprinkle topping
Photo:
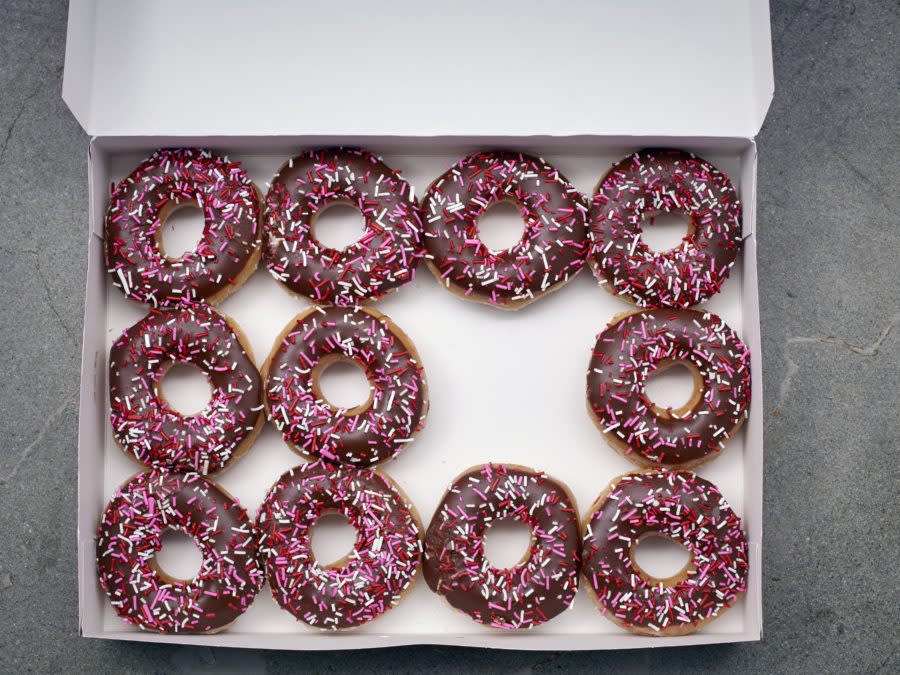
column 527, row 594
column 552, row 248
column 130, row 536
column 382, row 260
column 160, row 184
column 682, row 507
column 146, row 426
column 664, row 181
column 630, row 349
column 362, row 436
column 378, row 571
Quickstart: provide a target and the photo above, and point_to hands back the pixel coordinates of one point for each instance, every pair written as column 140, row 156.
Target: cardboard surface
column 480, row 365
column 208, row 67
column 581, row 82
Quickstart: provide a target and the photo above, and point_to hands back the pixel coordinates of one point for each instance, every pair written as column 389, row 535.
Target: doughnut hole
column 665, row 231
column 181, row 227
column 660, row 559
column 338, row 225
column 179, row 558
column 501, row 226
column 343, row 384
column 507, row 542
column 674, row 388
column 332, row 539
column 185, row 389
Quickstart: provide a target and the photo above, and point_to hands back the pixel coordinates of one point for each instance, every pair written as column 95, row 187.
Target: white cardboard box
column 581, row 83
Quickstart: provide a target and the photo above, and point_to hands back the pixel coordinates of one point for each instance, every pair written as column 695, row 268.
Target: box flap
column 473, row 67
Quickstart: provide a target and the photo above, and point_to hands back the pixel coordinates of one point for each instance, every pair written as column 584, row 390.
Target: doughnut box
column 581, row 84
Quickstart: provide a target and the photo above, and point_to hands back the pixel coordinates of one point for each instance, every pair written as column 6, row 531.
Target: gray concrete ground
column 829, row 245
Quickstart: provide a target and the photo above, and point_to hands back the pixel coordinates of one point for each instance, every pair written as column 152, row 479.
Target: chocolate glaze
column 654, row 181
column 372, row 579
column 533, row 591
column 383, row 259
column 129, row 537
column 630, row 349
column 144, row 424
column 165, row 180
column 683, row 507
column 362, row 436
column 552, row 248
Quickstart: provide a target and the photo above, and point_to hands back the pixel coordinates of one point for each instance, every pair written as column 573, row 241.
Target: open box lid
column 404, row 67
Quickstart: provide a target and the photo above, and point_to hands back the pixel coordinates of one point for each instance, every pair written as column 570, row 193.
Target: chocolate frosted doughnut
column 368, row 582
column 633, row 347
column 552, row 248
column 129, row 537
column 367, row 434
column 535, row 590
column 144, row 424
column 682, row 507
column 382, row 260
column 664, row 181
column 167, row 180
